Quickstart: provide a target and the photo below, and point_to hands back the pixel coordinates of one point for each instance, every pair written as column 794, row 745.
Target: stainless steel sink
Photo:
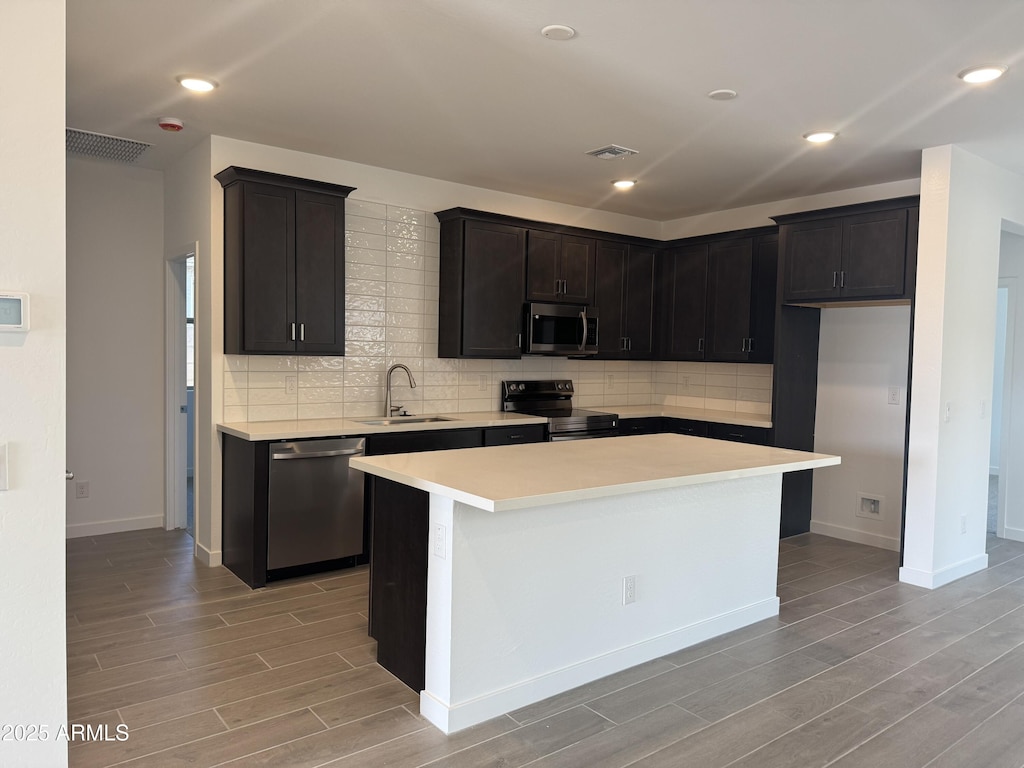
column 401, row 420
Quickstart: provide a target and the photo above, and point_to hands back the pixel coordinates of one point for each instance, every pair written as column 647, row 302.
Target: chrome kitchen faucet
column 389, row 409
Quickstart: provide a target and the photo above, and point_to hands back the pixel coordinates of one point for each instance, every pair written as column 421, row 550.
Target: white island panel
column 528, row 604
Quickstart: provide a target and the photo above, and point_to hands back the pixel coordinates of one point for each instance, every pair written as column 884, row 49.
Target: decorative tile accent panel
column 392, row 262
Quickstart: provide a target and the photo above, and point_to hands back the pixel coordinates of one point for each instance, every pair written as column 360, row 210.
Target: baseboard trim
column 854, row 535
column 78, row 530
column 935, row 579
column 450, row 718
column 1014, row 534
column 207, row 557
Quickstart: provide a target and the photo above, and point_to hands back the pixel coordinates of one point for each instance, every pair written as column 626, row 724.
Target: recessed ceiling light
column 624, row 183
column 194, row 83
column 820, row 137
column 983, row 74
column 558, row 32
column 722, row 94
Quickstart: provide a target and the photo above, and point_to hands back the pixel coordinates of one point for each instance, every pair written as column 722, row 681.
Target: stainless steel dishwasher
column 316, row 502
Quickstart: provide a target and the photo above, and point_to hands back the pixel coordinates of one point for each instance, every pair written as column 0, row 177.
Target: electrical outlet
column 439, row 541
column 894, row 395
column 483, row 383
column 947, row 412
column 684, row 382
column 82, row 489
column 963, row 523
column 291, row 385
column 628, row 590
column 610, row 382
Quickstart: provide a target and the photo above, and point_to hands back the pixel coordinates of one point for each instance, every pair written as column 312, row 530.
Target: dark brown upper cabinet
column 853, row 253
column 481, row 288
column 559, row 268
column 284, row 264
column 624, row 297
column 716, row 298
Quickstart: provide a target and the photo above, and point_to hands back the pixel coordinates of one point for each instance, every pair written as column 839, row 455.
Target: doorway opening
column 998, row 479
column 180, row 391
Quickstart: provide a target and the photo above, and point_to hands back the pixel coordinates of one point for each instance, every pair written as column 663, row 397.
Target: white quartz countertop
column 520, row 476
column 299, row 428
column 696, row 414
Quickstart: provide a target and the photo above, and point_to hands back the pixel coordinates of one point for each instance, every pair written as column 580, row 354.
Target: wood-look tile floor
column 857, row 670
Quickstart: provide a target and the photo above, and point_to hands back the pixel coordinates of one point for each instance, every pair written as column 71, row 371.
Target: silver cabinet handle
column 69, row 475
column 293, row 331
column 302, row 331
column 842, row 279
column 700, row 344
column 316, row 454
column 835, row 279
column 583, row 320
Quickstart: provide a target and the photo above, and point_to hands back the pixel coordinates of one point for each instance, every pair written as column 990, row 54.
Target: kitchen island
column 550, row 565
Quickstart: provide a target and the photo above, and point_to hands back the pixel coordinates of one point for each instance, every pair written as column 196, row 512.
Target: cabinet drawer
column 416, row 442
column 688, row 427
column 527, row 433
column 650, row 425
column 739, row 434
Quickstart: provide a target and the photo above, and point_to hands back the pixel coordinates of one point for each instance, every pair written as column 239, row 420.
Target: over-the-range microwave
column 568, row 330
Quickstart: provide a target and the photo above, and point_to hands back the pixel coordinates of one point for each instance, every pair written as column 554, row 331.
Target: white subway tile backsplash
column 355, row 287
column 273, row 363
column 406, row 230
column 365, row 333
column 233, row 413
column 236, row 397
column 273, row 412
column 365, row 240
column 365, row 225
column 364, row 208
column 321, row 411
column 408, row 215
column 392, row 276
column 405, row 245
column 365, row 303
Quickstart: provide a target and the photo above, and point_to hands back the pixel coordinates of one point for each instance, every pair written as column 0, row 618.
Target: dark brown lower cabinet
column 398, row 578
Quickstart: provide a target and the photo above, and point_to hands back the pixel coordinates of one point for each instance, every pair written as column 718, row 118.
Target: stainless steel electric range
column 553, row 399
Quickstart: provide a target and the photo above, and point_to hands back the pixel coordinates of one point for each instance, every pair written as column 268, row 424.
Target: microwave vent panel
column 100, row 145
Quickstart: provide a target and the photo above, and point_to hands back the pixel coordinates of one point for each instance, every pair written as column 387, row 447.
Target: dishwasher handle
column 280, row 451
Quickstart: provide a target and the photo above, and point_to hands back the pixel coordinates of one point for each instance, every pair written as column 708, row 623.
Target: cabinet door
column 525, row 433
column 730, row 269
column 682, row 303
column 609, row 298
column 320, row 273
column 543, row 252
column 874, row 254
column 268, row 268
column 494, row 282
column 639, row 300
column 812, row 260
column 738, row 434
column 576, row 269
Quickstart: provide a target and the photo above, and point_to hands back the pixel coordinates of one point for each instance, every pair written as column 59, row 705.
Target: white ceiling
column 469, row 90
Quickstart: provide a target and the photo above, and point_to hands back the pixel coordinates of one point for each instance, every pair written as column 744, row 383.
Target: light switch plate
column 3, row 467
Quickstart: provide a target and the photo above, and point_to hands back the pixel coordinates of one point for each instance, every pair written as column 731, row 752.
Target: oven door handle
column 583, row 319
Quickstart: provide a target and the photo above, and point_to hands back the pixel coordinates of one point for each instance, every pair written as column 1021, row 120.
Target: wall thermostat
column 13, row 311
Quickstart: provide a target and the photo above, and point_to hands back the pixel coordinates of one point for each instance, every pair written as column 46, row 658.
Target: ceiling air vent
column 100, row 145
column 612, row 152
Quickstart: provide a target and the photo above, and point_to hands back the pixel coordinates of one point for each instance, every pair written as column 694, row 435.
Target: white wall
column 1011, row 265
column 964, row 203
column 862, row 352
column 760, row 215
column 999, row 369
column 115, row 359
column 188, row 224
column 33, row 685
